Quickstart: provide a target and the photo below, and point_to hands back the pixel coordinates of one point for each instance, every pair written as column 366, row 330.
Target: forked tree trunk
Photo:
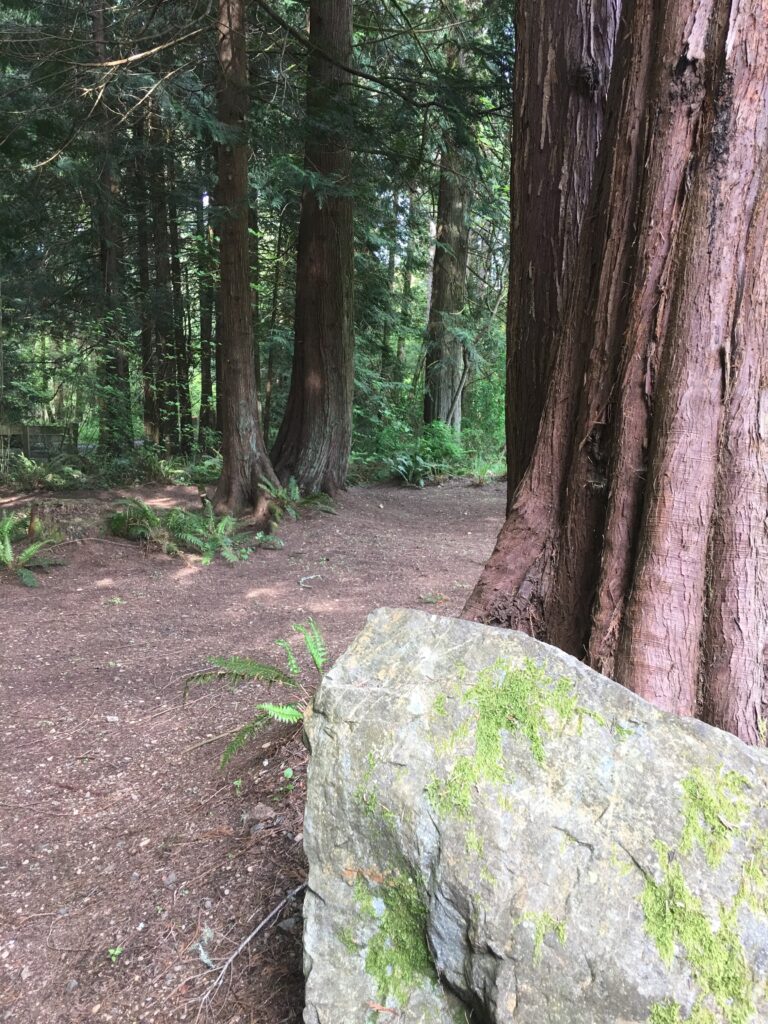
column 315, row 437
column 637, row 536
column 563, row 64
column 444, row 376
column 245, row 461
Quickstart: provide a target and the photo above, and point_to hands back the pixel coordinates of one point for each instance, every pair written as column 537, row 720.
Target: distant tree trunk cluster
column 636, row 533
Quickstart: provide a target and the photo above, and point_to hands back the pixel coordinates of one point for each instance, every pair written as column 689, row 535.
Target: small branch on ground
column 264, row 923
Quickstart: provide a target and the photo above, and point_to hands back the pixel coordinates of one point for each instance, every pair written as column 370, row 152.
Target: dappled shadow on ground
column 118, row 831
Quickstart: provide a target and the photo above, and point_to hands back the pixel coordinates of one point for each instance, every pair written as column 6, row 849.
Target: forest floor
column 130, row 863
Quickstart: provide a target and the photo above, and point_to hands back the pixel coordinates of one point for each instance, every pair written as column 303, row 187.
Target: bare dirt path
column 118, row 830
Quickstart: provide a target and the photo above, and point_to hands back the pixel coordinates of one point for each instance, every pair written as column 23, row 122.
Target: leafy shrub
column 180, row 529
column 60, row 473
column 435, row 453
column 288, row 500
column 23, row 559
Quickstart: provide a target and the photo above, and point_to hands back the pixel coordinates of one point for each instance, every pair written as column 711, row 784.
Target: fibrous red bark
column 563, row 60
column 637, row 537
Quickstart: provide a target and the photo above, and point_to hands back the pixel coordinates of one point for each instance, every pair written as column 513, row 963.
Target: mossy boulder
column 498, row 835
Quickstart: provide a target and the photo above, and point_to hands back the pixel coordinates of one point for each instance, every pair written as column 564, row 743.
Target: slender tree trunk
column 181, row 343
column 245, row 461
column 644, row 499
column 315, row 438
column 406, row 300
column 253, row 231
column 146, row 326
column 162, row 293
column 115, row 425
column 563, row 59
column 273, row 320
column 444, row 377
column 388, row 363
column 206, row 418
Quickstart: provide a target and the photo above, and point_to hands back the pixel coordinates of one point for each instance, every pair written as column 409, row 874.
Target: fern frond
column 288, row 713
column 26, row 556
column 241, row 668
column 293, row 665
column 241, row 737
column 268, row 541
column 202, row 678
column 314, row 642
column 319, row 501
column 27, row 577
column 7, row 524
column 292, row 490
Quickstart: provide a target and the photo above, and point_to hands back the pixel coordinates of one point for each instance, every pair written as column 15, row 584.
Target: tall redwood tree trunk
column 563, row 59
column 637, row 536
column 444, row 366
column 245, row 461
column 315, row 438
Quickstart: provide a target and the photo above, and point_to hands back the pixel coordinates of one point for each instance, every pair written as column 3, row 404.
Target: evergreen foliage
column 149, row 99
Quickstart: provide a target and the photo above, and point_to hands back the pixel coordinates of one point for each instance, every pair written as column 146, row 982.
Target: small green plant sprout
column 19, row 558
column 238, row 670
column 289, row 782
column 114, row 953
column 238, row 786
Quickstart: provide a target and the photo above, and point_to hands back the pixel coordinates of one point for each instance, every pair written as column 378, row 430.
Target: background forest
column 113, row 220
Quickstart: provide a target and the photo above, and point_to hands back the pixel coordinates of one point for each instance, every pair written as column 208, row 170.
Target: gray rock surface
column 498, row 834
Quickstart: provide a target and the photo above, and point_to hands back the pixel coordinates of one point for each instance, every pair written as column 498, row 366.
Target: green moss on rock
column 544, row 924
column 364, row 898
column 510, row 699
column 440, row 706
column 398, row 957
column 713, row 809
column 670, row 1013
column 675, row 920
column 754, row 883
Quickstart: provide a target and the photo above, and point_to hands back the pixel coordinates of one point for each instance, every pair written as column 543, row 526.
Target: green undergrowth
column 179, row 529
column 509, row 699
column 398, row 957
column 24, row 548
